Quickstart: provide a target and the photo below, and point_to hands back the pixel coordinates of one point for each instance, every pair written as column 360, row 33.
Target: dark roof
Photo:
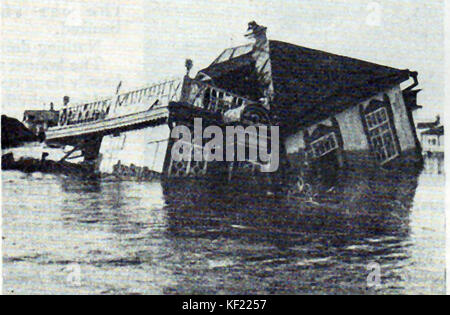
column 426, row 125
column 229, row 65
column 410, row 98
column 42, row 115
column 438, row 131
column 429, row 125
column 236, row 75
column 311, row 85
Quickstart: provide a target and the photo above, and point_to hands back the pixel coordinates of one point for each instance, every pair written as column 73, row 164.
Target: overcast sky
column 84, row 48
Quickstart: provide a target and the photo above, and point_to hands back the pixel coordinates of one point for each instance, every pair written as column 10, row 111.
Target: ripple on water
column 133, row 238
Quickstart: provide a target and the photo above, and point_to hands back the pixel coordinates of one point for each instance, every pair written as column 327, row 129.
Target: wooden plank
column 106, row 124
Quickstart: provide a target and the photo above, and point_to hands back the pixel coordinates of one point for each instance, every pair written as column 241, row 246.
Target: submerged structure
column 333, row 112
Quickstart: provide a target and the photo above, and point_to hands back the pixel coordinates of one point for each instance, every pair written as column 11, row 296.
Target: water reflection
column 290, row 246
column 123, row 207
column 206, row 237
column 355, row 202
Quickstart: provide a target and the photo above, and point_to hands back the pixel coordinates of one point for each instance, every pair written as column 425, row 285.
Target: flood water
column 62, row 235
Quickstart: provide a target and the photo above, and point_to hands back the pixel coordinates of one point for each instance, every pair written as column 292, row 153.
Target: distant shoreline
column 15, row 134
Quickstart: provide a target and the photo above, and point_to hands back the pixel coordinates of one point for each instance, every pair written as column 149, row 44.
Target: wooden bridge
column 71, row 134
column 140, row 108
column 135, row 109
column 84, row 126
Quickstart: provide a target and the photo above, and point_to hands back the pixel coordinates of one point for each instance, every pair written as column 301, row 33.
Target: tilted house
column 332, row 110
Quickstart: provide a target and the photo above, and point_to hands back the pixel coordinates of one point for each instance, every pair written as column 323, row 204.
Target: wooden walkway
column 68, row 134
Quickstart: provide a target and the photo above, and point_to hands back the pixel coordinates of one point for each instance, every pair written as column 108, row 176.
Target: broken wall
column 136, row 149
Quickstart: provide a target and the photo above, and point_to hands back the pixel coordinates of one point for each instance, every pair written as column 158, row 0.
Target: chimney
column 52, row 107
column 188, row 64
column 256, row 32
column 261, row 54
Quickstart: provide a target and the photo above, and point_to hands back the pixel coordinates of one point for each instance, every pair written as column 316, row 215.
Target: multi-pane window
column 322, row 146
column 381, row 135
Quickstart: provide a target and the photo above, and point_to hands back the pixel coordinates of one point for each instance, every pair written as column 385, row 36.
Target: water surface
column 130, row 237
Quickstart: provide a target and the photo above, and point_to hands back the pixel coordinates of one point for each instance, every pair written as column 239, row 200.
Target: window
column 381, row 135
column 322, row 146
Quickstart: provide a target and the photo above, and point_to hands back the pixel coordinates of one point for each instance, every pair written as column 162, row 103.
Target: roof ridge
column 315, row 50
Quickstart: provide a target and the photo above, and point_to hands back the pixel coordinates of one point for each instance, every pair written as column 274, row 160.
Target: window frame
column 311, row 151
column 375, row 124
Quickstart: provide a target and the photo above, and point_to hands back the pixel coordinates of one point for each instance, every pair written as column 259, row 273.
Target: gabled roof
column 240, row 63
column 311, row 85
column 236, row 75
column 438, row 131
column 426, row 125
column 429, row 125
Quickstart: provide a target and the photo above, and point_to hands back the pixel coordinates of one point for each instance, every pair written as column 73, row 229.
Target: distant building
column 38, row 121
column 428, row 125
column 433, row 149
column 433, row 140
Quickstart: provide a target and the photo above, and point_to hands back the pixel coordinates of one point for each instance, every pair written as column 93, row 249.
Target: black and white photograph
column 223, row 148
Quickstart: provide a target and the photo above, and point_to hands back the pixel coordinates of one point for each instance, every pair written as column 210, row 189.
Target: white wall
column 404, row 132
column 139, row 147
column 427, row 145
column 295, row 143
column 352, row 130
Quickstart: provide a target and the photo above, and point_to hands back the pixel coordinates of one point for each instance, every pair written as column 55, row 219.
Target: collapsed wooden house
column 333, row 112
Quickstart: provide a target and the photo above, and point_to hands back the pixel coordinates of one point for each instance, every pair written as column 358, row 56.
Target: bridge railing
column 164, row 92
column 197, row 93
column 83, row 113
column 160, row 93
column 206, row 96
